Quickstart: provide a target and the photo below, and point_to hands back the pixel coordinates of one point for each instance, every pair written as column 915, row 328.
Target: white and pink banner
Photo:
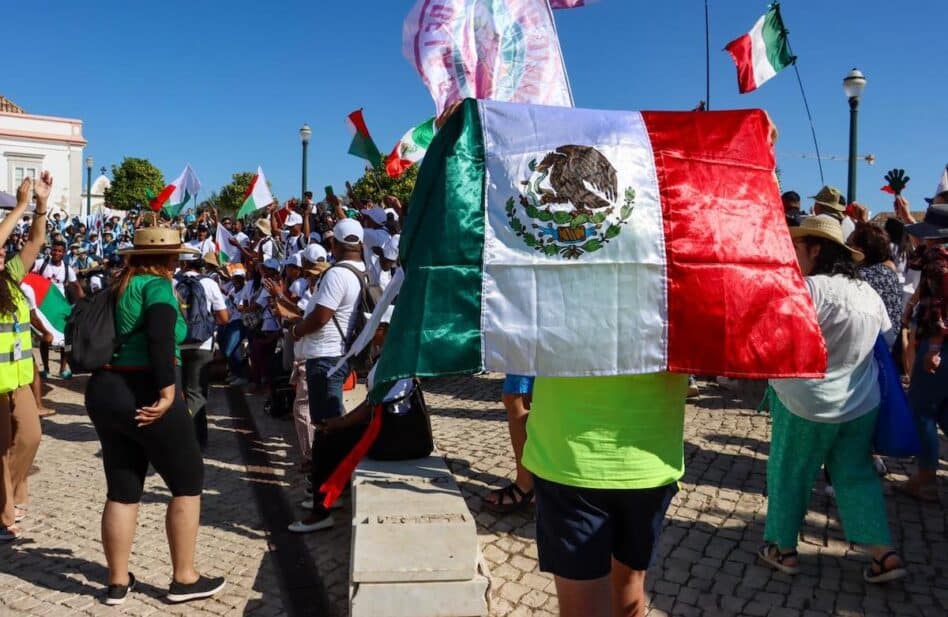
column 502, row 50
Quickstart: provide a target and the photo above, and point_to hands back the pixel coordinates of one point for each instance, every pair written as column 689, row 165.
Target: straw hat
column 158, row 241
column 316, row 268
column 264, row 226
column 824, row 226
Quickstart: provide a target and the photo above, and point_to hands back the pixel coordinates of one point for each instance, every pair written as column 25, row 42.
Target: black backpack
column 91, row 339
column 369, row 295
column 201, row 324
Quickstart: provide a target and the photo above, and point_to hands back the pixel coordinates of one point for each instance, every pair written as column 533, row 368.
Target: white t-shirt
column 265, row 247
column 205, row 246
column 270, row 321
column 373, row 238
column 215, row 302
column 299, row 287
column 59, row 275
column 339, row 291
column 233, row 299
column 851, row 316
column 242, row 238
column 293, row 244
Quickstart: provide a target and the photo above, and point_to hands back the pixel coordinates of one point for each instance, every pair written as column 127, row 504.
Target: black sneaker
column 117, row 594
column 204, row 587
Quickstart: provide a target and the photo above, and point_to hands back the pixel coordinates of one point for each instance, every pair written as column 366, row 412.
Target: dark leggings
column 169, row 444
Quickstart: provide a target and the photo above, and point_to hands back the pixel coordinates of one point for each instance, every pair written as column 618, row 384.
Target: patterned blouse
column 932, row 291
column 886, row 283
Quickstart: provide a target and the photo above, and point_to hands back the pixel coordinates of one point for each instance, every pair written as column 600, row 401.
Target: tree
column 130, row 181
column 375, row 184
column 231, row 195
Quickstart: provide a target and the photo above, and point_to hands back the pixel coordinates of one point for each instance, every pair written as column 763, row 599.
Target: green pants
column 798, row 447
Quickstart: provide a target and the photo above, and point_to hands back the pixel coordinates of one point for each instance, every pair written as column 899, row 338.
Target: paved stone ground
column 59, row 568
column 707, row 566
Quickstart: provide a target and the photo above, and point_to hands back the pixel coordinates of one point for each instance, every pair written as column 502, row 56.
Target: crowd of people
column 281, row 304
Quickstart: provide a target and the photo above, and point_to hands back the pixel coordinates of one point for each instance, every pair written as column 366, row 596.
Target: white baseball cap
column 315, row 253
column 272, row 264
column 348, row 232
column 390, row 249
column 293, row 219
column 293, row 260
column 377, row 215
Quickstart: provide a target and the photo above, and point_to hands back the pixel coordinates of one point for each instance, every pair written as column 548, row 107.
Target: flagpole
column 707, row 57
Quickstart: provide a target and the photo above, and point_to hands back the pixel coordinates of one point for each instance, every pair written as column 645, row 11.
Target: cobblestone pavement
column 707, row 566
column 59, row 567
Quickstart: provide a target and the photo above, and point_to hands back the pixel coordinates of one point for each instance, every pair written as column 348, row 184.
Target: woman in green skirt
column 830, row 421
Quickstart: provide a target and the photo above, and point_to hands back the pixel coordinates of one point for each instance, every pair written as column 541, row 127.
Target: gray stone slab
column 415, row 551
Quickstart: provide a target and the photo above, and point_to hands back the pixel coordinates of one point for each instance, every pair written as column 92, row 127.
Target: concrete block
column 437, row 550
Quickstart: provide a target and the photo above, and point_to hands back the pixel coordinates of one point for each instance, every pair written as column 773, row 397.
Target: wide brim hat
column 824, row 226
column 935, row 224
column 831, row 197
column 158, row 241
column 316, row 268
column 264, row 226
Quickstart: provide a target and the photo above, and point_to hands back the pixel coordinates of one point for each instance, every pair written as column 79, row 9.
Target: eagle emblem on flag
column 569, row 205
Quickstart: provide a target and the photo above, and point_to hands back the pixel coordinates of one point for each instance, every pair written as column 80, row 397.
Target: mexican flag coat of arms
column 571, row 242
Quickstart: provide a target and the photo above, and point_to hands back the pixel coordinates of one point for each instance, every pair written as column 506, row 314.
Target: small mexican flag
column 362, row 145
column 410, row 149
column 258, row 195
column 763, row 52
column 180, row 195
column 576, row 242
column 51, row 304
column 226, row 252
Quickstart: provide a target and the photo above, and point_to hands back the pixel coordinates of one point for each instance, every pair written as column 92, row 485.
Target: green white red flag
column 575, row 242
column 226, row 252
column 51, row 304
column 362, row 145
column 410, row 148
column 179, row 196
column 258, row 195
column 763, row 52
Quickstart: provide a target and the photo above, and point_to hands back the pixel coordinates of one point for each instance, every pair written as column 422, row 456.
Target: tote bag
column 895, row 433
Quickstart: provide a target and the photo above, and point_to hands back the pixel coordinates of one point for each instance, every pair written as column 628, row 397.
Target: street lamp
column 88, row 185
column 853, row 85
column 305, row 134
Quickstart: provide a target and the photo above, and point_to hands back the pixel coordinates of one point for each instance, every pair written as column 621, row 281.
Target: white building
column 97, row 200
column 32, row 144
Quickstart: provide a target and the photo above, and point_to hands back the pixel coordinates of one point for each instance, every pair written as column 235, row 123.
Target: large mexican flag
column 565, row 242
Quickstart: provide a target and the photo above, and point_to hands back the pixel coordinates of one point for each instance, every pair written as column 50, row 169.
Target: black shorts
column 580, row 530
column 169, row 444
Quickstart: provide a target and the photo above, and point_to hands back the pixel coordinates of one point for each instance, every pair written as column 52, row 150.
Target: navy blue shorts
column 580, row 530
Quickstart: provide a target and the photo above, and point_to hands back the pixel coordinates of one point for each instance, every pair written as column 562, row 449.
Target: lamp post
column 853, row 85
column 305, row 133
column 88, row 185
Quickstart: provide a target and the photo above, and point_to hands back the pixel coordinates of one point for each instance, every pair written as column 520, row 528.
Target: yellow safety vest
column 16, row 349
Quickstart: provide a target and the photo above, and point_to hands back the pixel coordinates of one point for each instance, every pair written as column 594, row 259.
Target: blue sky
column 226, row 85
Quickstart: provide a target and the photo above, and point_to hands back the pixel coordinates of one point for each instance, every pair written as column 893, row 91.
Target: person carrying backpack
column 333, row 313
column 204, row 308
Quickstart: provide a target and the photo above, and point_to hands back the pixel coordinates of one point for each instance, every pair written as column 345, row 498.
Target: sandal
column 510, row 498
column 877, row 572
column 771, row 555
column 19, row 514
column 927, row 493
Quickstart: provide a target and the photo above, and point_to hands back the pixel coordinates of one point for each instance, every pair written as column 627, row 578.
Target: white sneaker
column 303, row 527
column 307, row 504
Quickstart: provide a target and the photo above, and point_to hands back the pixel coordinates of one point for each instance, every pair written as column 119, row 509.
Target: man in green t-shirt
column 606, row 454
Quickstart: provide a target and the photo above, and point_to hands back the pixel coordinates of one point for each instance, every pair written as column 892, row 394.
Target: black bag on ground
column 407, row 435
column 90, row 335
column 282, row 395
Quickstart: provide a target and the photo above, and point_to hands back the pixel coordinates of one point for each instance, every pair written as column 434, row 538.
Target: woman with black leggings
column 139, row 413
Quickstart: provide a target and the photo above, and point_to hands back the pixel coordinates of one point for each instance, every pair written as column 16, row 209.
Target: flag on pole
column 362, row 145
column 258, row 195
column 504, row 50
column 179, row 196
column 410, row 149
column 51, row 304
column 226, row 252
column 600, row 243
column 763, row 52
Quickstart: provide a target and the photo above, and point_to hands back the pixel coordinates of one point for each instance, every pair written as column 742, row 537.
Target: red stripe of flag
column 39, row 284
column 740, row 50
column 159, row 201
column 250, row 188
column 728, row 249
column 359, row 123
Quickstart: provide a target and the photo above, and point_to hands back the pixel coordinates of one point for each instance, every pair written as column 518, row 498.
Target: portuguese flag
column 763, row 52
column 574, row 242
column 51, row 304
column 410, row 149
column 362, row 145
column 258, row 195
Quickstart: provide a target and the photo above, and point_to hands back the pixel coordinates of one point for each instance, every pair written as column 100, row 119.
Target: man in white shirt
column 54, row 269
column 203, row 242
column 292, row 234
column 330, row 317
column 196, row 356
